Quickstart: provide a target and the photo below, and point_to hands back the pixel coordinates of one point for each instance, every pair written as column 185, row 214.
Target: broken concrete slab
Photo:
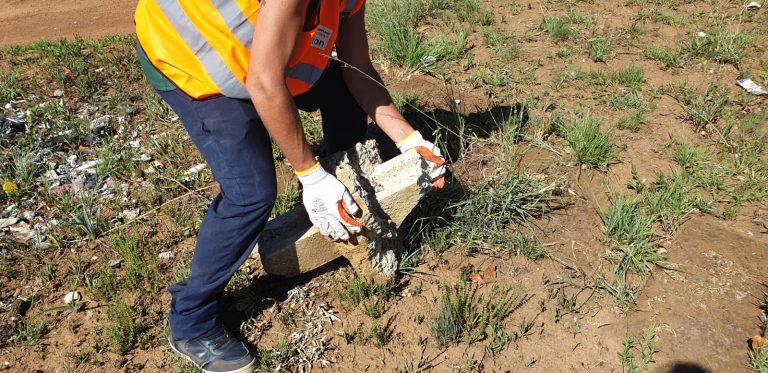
column 386, row 192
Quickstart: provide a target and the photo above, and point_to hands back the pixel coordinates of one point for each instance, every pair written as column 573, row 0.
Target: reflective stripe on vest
column 350, row 6
column 225, row 81
column 203, row 46
column 305, row 72
column 236, row 21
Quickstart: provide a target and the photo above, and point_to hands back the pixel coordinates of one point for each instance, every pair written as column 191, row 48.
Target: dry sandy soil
column 29, row 20
column 704, row 301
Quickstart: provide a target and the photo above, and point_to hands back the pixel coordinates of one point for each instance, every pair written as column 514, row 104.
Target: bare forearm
column 280, row 117
column 374, row 99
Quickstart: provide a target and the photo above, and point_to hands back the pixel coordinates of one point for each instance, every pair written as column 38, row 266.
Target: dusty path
column 29, row 20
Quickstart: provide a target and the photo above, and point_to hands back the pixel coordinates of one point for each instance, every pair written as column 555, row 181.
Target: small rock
column 166, row 255
column 73, row 296
column 115, row 263
column 130, row 214
column 99, row 123
column 91, row 181
column 20, row 306
column 125, row 109
column 91, row 139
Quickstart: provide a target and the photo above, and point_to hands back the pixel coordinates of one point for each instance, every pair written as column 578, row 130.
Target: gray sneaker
column 216, row 352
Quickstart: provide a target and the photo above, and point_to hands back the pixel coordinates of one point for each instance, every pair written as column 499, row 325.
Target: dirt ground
column 703, row 300
column 24, row 21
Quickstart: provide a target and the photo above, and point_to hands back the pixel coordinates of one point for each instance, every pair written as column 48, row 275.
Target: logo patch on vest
column 322, row 37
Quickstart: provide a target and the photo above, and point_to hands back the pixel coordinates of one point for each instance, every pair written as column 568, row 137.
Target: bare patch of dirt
column 23, row 21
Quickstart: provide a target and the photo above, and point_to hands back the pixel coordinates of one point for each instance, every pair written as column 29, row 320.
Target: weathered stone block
column 386, row 192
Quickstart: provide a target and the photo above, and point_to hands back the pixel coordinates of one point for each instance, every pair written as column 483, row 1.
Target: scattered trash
column 130, row 214
column 59, row 189
column 28, row 215
column 487, row 276
column 195, row 169
column 428, row 60
column 58, row 93
column 166, row 255
column 757, row 342
column 7, row 222
column 701, row 34
column 88, row 165
column 191, row 174
column 753, row 6
column 751, row 87
column 11, row 126
column 69, row 72
column 72, row 297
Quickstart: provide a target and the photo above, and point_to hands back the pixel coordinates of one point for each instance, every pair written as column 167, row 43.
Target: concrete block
column 386, row 192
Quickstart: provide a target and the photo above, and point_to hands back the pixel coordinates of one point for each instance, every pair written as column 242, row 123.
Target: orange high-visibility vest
column 203, row 46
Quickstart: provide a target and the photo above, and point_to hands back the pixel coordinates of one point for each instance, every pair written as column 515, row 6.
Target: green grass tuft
column 464, row 314
column 592, row 146
column 558, row 28
column 703, row 108
column 599, row 47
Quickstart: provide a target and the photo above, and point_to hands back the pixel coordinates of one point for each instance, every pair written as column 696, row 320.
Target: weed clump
column 644, row 349
column 599, row 47
column 28, row 332
column 463, row 314
column 124, row 330
column 558, row 28
column 592, row 146
column 395, row 25
column 669, row 58
column 633, row 249
column 140, row 267
column 703, row 108
column 505, row 198
column 721, row 45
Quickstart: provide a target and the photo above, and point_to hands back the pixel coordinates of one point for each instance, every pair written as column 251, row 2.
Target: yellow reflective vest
column 203, row 46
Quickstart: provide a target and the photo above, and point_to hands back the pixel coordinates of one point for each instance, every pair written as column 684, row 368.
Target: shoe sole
column 250, row 368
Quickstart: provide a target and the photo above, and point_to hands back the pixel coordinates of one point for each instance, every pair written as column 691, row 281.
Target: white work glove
column 328, row 203
column 428, row 152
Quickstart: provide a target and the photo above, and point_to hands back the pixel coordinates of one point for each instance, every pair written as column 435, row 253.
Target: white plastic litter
column 195, row 169
column 166, row 255
column 72, row 297
column 751, row 87
column 7, row 222
column 701, row 34
column 753, row 6
column 88, row 165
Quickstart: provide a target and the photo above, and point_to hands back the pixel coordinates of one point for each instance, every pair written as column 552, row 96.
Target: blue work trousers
column 232, row 139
